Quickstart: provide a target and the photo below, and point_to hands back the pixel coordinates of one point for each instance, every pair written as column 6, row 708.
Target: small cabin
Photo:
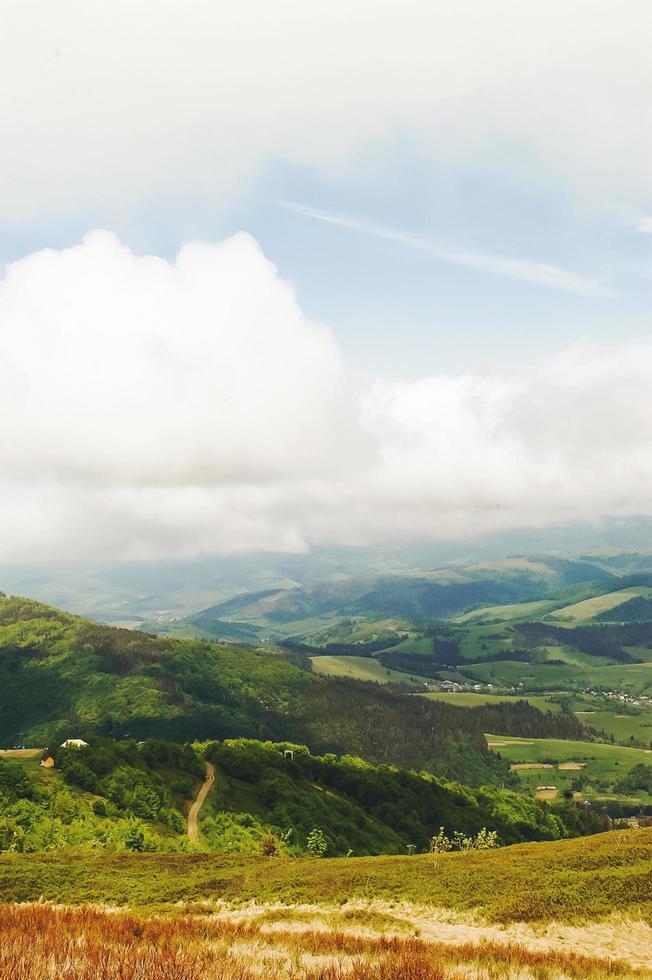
column 47, row 762
column 74, row 743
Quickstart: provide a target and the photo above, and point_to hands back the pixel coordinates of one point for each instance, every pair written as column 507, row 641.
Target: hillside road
column 193, row 812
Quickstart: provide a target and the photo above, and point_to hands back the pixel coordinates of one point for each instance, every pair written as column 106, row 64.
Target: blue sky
column 423, row 305
column 397, row 310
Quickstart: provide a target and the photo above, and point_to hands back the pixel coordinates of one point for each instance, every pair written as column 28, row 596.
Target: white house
column 74, row 743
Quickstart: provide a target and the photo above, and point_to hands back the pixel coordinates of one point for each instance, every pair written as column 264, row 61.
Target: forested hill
column 62, row 676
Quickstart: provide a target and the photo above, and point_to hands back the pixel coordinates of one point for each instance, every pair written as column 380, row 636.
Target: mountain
column 165, row 589
column 310, row 611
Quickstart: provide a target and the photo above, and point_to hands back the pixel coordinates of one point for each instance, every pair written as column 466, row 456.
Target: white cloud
column 156, row 408
column 537, row 273
column 645, row 224
column 105, row 104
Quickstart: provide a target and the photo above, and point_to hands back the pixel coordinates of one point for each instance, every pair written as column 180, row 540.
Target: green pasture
column 363, row 669
column 421, row 645
column 623, row 723
column 634, row 679
column 588, row 609
column 469, row 699
column 506, row 613
column 604, row 764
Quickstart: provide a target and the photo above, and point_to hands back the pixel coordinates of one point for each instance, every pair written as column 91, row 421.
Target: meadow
column 355, row 942
column 623, row 722
column 633, row 678
column 471, row 699
column 588, row 609
column 277, row 943
column 603, row 764
column 579, row 879
column 363, row 669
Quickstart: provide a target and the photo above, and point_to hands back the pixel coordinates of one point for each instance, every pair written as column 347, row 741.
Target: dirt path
column 193, row 812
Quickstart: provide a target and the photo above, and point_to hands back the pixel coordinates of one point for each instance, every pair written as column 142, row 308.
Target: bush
column 269, row 845
column 317, row 844
column 484, row 840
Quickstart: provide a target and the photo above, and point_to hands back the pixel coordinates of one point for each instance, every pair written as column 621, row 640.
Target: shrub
column 317, row 844
column 269, row 845
column 484, row 840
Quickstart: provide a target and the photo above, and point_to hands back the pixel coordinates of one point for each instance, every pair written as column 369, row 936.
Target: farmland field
column 541, row 677
column 603, row 764
column 621, row 726
column 469, row 699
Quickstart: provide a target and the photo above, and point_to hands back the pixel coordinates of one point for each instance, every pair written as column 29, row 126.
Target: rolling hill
column 61, row 675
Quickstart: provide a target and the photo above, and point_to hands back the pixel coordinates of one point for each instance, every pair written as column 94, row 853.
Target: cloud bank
column 172, row 408
column 107, row 104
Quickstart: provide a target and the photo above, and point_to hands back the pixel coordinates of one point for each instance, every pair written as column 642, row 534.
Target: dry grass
column 42, row 942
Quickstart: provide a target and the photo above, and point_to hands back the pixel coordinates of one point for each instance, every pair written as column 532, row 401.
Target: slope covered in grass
column 582, row 878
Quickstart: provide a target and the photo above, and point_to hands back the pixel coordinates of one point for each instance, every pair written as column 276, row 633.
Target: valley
column 335, row 775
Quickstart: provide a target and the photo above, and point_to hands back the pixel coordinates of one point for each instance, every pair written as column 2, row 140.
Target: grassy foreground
column 569, row 880
column 39, row 941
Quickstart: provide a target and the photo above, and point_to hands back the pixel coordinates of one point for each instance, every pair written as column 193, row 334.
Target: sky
column 277, row 274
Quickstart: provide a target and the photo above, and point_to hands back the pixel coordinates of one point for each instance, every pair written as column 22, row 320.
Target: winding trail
column 193, row 812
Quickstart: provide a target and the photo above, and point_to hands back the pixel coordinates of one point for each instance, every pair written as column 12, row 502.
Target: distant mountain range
column 133, row 591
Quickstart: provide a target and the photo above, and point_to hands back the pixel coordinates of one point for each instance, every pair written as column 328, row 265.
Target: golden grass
column 39, row 942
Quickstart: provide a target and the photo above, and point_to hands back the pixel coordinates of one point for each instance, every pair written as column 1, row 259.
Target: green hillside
column 311, row 610
column 576, row 879
column 134, row 796
column 361, row 808
column 62, row 676
column 107, row 795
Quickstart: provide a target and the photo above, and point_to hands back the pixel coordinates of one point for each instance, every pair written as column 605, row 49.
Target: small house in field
column 47, row 761
column 74, row 743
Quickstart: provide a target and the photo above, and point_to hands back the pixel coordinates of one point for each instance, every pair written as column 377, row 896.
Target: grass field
column 362, row 669
column 510, row 611
column 468, row 699
column 421, row 645
column 632, row 678
column 358, row 941
column 621, row 726
column 604, row 764
column 589, row 608
column 576, row 879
